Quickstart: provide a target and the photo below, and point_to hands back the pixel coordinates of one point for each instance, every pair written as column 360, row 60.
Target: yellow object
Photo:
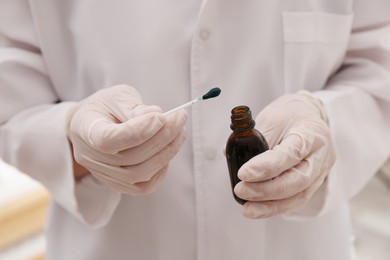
column 22, row 217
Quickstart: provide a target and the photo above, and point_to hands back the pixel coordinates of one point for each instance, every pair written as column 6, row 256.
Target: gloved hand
column 122, row 142
column 301, row 155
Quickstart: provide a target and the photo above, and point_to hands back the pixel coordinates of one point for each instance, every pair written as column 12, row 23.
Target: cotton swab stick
column 214, row 92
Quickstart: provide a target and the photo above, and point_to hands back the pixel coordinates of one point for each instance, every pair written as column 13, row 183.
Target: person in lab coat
column 83, row 88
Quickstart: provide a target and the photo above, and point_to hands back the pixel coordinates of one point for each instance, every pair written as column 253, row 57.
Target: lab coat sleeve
column 32, row 122
column 357, row 102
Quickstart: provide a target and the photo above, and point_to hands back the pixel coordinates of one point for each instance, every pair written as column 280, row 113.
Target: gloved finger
column 150, row 186
column 145, row 171
column 271, row 130
column 140, row 172
column 292, row 150
column 286, row 185
column 113, row 183
column 140, row 110
column 116, row 184
column 110, row 138
column 120, row 94
column 172, row 128
column 120, row 101
column 266, row 209
column 122, row 186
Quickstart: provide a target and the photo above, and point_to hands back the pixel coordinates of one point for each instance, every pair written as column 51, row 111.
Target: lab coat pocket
column 314, row 46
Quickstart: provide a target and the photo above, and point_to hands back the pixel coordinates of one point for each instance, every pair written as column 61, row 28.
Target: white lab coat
column 55, row 53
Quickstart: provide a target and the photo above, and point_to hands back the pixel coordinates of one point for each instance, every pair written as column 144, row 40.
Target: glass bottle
column 244, row 143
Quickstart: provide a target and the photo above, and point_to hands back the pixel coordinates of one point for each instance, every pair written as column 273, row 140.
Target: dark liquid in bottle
column 239, row 151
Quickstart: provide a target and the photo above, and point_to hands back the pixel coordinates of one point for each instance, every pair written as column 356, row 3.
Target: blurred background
column 23, row 208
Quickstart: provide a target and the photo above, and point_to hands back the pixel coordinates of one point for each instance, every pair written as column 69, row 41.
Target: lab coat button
column 204, row 34
column 210, row 154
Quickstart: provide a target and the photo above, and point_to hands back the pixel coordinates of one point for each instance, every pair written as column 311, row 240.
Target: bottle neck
column 241, row 118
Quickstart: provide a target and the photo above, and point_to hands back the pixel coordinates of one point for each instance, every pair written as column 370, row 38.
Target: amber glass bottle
column 244, row 143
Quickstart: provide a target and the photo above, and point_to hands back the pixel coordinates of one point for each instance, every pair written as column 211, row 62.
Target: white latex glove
column 122, row 142
column 301, row 155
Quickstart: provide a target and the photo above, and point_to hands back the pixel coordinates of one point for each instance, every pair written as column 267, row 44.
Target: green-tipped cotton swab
column 214, row 92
